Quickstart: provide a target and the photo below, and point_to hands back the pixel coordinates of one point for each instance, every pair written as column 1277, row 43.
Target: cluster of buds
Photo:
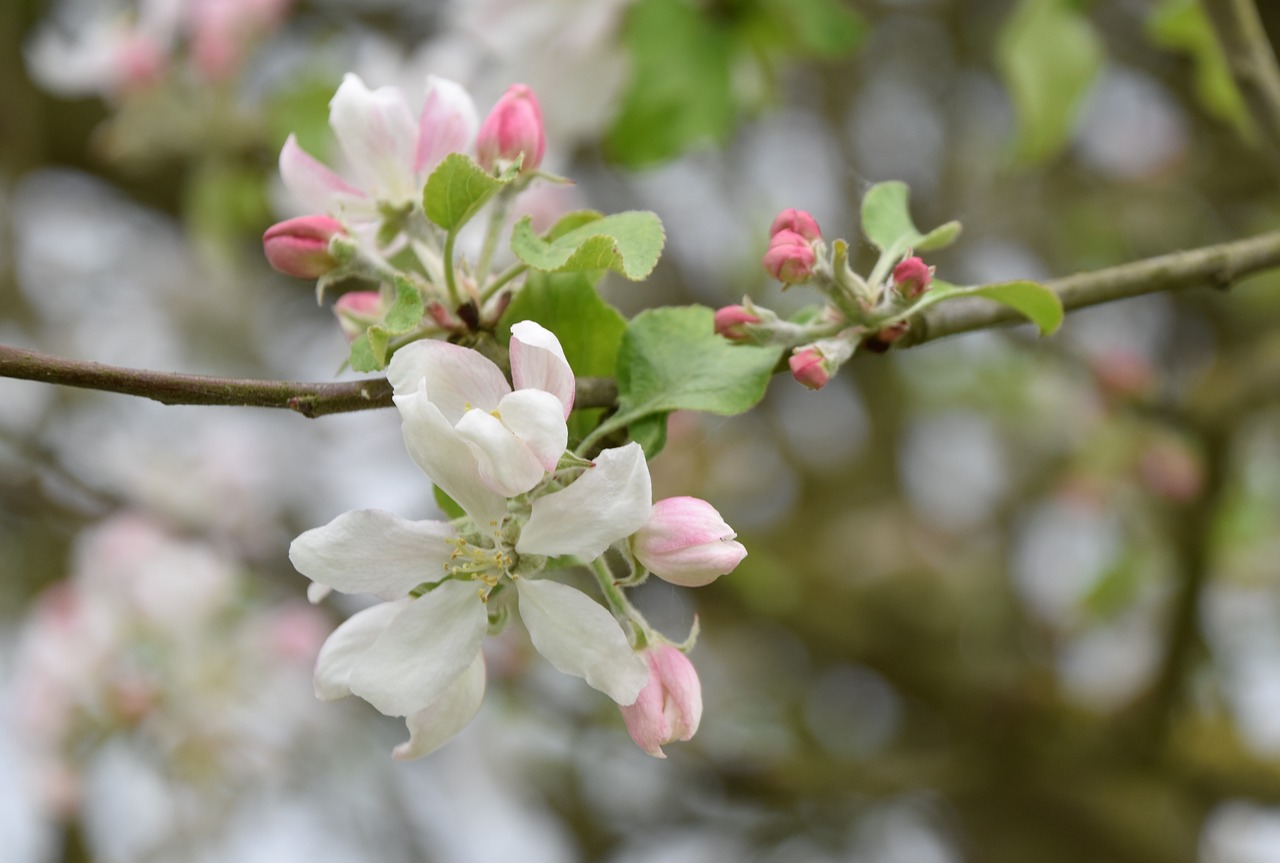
column 869, row 313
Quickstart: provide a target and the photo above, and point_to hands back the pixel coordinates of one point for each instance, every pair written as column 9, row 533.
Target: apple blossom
column 357, row 311
column 796, row 221
column 669, row 707
column 911, row 277
column 731, row 322
column 686, row 542
column 810, row 367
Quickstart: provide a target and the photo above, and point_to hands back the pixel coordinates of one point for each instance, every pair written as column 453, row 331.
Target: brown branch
column 1218, row 266
column 308, row 399
column 1251, row 60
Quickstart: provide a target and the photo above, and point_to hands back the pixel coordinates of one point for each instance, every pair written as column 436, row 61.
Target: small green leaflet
column 369, row 350
column 1033, row 300
column 886, row 222
column 458, row 188
column 629, row 243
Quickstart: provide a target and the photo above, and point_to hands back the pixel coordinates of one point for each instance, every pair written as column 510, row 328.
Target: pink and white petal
column 507, row 466
column 424, row 649
column 646, row 721
column 371, row 551
column 535, row 417
column 683, row 701
column 447, row 125
column 447, row 459
column 538, row 361
column 316, row 187
column 436, row 724
column 579, row 637
column 377, row 133
column 346, row 644
column 457, row 378
column 607, row 503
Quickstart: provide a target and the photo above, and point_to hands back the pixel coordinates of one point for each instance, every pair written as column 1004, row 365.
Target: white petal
column 457, row 378
column 507, row 466
column 579, row 637
column 536, row 418
column 346, row 644
column 371, row 551
column 423, row 650
column 316, row 187
column 434, row 725
column 608, row 502
column 537, row 361
column 446, row 458
column 377, row 132
column 448, row 124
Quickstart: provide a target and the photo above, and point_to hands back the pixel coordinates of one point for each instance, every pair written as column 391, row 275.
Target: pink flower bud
column 790, row 257
column 300, row 247
column 513, row 127
column 731, row 322
column 912, row 277
column 357, row 311
column 810, row 367
column 686, row 542
column 669, row 707
column 797, row 221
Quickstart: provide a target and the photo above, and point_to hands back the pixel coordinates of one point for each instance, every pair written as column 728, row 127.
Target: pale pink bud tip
column 796, row 221
column 790, row 257
column 810, row 368
column 731, row 322
column 513, row 127
column 669, row 707
column 686, row 542
column 912, row 278
column 300, row 247
column 357, row 311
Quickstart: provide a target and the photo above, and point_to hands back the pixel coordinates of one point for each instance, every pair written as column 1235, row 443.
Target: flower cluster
column 500, row 453
column 871, row 313
column 375, row 222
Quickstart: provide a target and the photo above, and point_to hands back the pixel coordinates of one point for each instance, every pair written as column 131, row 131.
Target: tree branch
column 1219, row 266
column 1251, row 60
column 308, row 399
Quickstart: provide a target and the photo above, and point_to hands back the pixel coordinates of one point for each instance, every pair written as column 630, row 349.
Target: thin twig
column 1218, row 266
column 1251, row 60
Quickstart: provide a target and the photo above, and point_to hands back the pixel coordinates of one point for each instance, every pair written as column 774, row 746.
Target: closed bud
column 911, row 278
column 669, row 707
column 790, row 257
column 513, row 130
column 357, row 311
column 731, row 322
column 811, row 367
column 796, row 221
column 300, row 247
column 686, row 542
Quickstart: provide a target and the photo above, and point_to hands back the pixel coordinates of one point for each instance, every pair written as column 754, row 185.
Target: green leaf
column 1049, row 55
column 1037, row 303
column 671, row 359
column 886, row 222
column 457, row 189
column 570, row 221
column 817, row 28
column 589, row 329
column 680, row 91
column 1181, row 25
column 362, row 358
column 628, row 243
column 406, row 311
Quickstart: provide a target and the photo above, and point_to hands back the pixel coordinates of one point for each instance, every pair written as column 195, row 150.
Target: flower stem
column 621, row 607
column 449, row 278
column 497, row 218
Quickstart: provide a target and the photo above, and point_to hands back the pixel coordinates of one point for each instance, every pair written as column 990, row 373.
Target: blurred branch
column 308, row 399
column 1251, row 60
column 1220, row 266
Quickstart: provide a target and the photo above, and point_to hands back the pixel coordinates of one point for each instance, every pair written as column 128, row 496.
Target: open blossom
column 418, row 654
column 390, row 151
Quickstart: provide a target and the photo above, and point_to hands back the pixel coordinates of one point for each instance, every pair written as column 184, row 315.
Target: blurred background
column 1007, row 599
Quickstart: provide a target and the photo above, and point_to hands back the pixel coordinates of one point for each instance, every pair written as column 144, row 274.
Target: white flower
column 418, row 654
column 390, row 152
